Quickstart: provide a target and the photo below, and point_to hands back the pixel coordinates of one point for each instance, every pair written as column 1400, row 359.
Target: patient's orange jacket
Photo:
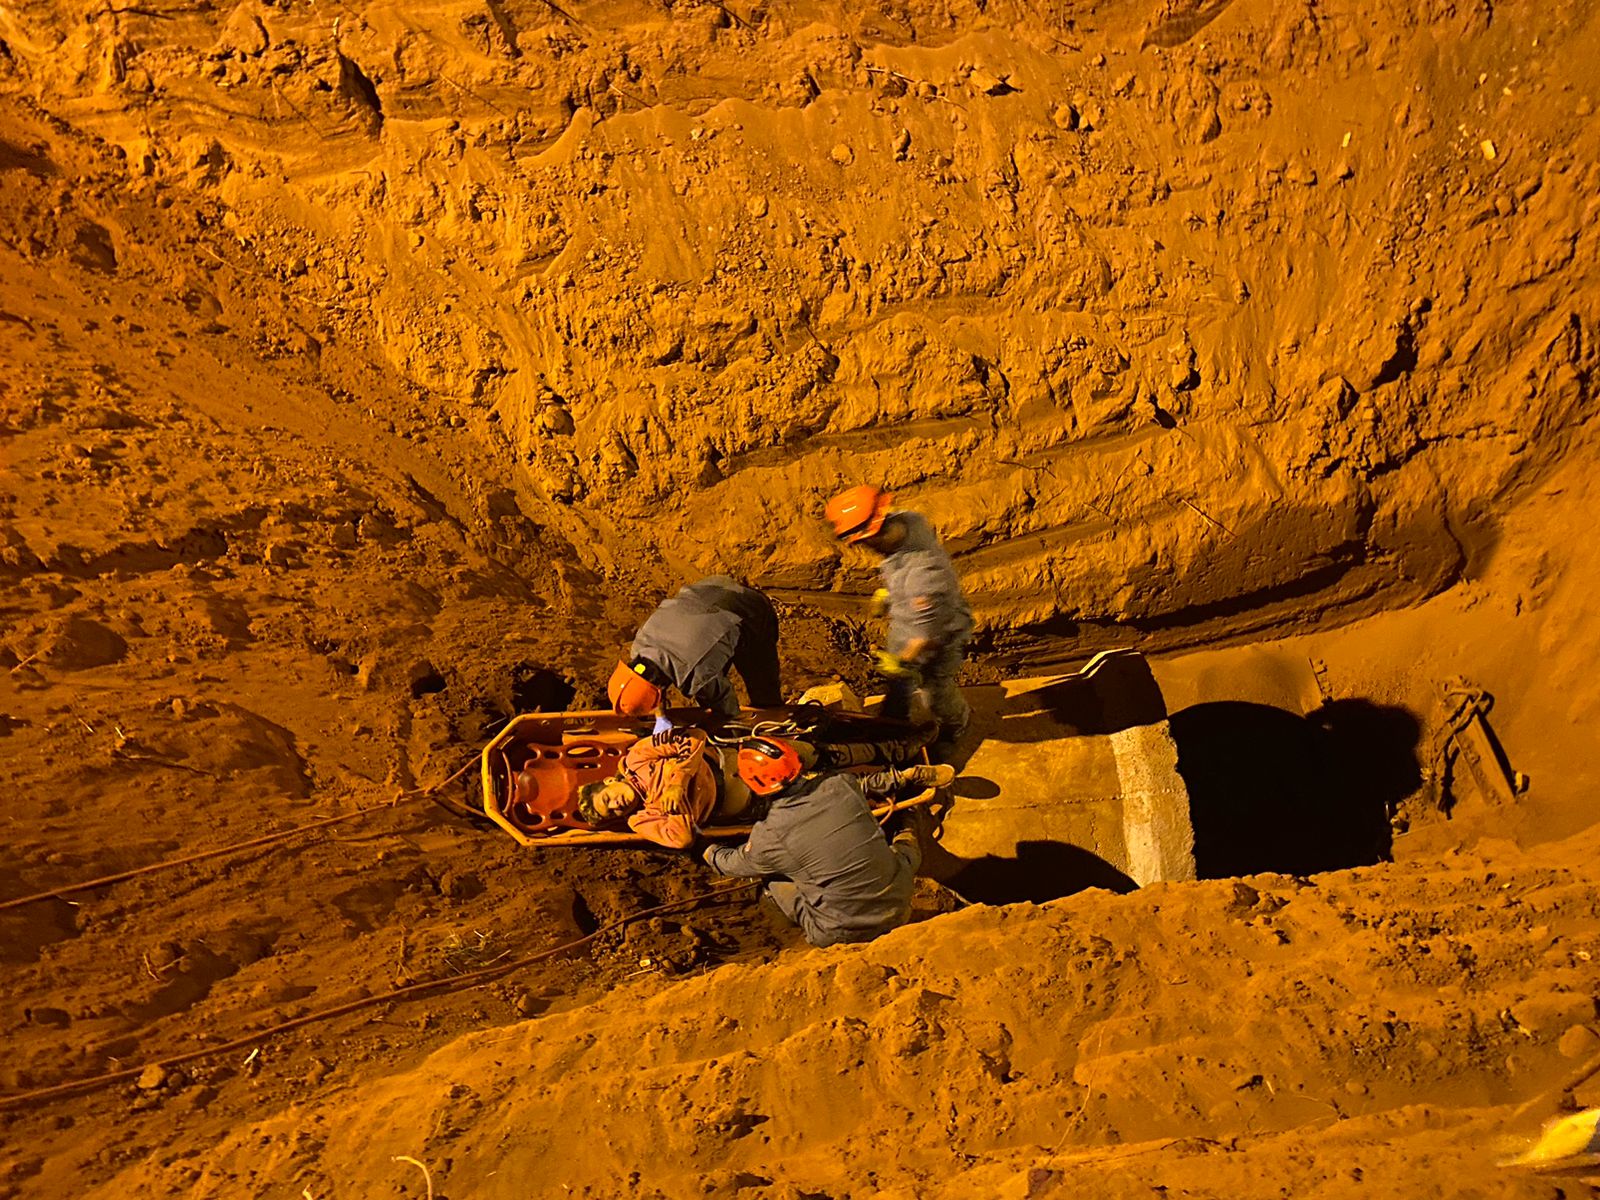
column 661, row 773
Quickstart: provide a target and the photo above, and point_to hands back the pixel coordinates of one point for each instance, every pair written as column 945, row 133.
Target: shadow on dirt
column 26, row 931
column 1116, row 692
column 1041, row 871
column 1270, row 790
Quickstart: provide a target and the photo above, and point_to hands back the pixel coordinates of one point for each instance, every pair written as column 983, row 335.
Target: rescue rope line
column 453, row 983
column 269, row 839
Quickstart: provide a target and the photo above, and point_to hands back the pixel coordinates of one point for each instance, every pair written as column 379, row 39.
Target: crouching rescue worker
column 829, row 868
column 692, row 641
column 929, row 621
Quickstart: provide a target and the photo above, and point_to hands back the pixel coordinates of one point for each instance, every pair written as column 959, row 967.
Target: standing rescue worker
column 691, row 641
column 929, row 621
column 829, row 867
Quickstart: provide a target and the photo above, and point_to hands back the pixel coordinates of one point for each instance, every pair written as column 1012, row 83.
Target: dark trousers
column 756, row 655
column 937, row 681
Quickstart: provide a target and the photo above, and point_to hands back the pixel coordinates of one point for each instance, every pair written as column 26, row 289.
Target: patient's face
column 616, row 798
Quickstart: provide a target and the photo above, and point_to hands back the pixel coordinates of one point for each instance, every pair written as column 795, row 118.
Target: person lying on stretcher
column 671, row 785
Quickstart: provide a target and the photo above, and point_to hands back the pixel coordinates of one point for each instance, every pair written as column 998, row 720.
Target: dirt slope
column 1216, row 1033
column 1172, row 315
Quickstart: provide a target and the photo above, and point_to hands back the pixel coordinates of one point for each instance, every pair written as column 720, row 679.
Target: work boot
column 924, row 776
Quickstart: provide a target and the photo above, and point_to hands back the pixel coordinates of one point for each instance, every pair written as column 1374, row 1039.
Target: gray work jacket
column 925, row 598
column 821, row 836
column 692, row 637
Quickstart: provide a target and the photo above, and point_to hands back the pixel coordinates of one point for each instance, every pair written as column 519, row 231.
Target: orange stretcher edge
column 598, row 724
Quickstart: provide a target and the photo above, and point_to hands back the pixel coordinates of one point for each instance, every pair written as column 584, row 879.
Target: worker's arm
column 919, row 616
column 732, row 861
column 760, row 855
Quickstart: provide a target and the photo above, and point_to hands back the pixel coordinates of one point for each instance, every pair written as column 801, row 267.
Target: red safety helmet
column 633, row 690
column 768, row 764
column 858, row 513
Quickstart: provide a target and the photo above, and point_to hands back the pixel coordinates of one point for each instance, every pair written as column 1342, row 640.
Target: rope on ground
column 453, row 983
column 269, row 839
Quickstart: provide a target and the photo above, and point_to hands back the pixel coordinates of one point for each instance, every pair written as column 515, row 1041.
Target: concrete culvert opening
column 1069, row 783
column 1270, row 790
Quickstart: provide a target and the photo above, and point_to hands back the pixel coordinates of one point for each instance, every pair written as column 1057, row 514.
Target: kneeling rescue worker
column 691, row 641
column 929, row 621
column 828, row 866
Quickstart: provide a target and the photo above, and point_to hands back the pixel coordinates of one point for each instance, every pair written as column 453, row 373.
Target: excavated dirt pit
column 368, row 370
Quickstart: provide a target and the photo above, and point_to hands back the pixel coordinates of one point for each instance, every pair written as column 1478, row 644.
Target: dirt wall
column 1170, row 315
column 369, row 370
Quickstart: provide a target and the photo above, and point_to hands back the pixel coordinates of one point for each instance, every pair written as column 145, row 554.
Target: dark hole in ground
column 537, row 689
column 1270, row 790
column 583, row 916
column 427, row 683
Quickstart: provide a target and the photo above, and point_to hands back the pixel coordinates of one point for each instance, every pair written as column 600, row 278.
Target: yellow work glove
column 880, row 602
column 892, row 666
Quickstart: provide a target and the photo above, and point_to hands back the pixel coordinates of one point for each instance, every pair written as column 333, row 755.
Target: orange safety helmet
column 858, row 513
column 633, row 688
column 768, row 764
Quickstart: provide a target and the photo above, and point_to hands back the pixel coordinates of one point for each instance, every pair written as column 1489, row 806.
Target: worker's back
column 821, row 835
column 723, row 593
column 692, row 635
column 925, row 596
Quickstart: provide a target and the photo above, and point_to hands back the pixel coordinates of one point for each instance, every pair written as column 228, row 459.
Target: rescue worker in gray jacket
column 691, row 642
column 929, row 620
column 829, row 868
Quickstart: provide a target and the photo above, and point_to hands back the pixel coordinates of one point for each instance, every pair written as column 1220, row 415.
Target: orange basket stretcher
column 532, row 769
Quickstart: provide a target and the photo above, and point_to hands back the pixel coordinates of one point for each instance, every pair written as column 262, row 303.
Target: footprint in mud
column 366, row 905
column 189, row 974
column 26, row 931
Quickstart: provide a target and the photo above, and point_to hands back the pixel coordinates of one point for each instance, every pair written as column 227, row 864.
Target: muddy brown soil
column 370, row 369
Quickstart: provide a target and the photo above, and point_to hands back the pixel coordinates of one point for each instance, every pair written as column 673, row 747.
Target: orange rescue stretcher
column 533, row 768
